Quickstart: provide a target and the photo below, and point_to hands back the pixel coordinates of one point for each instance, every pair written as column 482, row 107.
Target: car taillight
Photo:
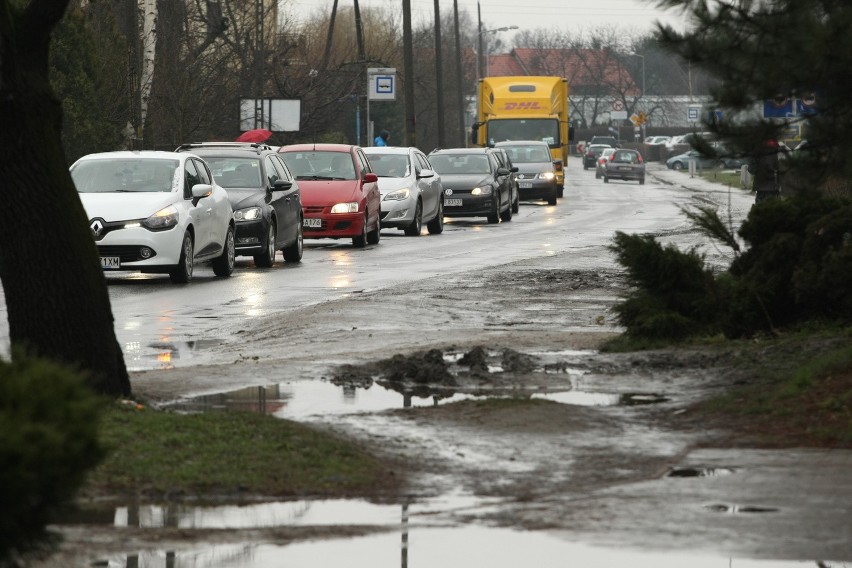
column 640, row 158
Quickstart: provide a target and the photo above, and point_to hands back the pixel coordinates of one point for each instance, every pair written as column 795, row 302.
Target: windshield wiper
column 316, row 177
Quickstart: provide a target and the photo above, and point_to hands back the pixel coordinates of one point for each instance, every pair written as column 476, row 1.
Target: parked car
column 412, row 193
column 475, row 185
column 657, row 140
column 340, row 192
column 535, row 169
column 593, row 152
column 681, row 161
column 687, row 139
column 506, row 162
column 266, row 200
column 625, row 165
column 600, row 165
column 154, row 211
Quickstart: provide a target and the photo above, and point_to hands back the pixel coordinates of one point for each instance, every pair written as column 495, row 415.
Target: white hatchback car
column 155, row 211
column 412, row 193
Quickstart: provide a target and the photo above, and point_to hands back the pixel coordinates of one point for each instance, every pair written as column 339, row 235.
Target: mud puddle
column 430, row 378
column 167, row 354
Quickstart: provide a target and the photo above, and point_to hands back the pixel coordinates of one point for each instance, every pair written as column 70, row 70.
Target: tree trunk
column 55, row 289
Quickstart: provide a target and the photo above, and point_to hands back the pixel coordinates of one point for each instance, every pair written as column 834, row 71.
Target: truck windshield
column 544, row 129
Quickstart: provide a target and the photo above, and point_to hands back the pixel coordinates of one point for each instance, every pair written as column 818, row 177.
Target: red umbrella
column 256, row 135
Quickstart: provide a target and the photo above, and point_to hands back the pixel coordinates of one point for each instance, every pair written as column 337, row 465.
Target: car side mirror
column 514, row 169
column 200, row 190
column 370, row 178
column 425, row 174
column 557, row 165
column 282, row 184
column 503, row 172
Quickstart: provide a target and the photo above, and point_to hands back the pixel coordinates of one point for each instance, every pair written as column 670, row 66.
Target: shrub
column 48, row 441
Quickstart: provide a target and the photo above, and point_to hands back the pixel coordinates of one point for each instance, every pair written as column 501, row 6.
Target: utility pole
column 459, row 95
column 329, row 37
column 408, row 84
column 362, row 74
column 439, row 76
column 478, row 44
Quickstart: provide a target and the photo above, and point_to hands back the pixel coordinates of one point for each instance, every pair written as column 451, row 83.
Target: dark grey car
column 475, row 184
column 265, row 198
column 536, row 176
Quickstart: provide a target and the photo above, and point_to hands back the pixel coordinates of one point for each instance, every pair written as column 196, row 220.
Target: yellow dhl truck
column 525, row 108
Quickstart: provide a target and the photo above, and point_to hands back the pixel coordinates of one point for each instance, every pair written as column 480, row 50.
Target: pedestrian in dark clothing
column 765, row 169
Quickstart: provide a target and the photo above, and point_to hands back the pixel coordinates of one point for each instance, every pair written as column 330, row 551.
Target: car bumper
column 250, row 237
column 334, row 226
column 398, row 213
column 471, row 206
column 126, row 244
column 624, row 174
column 538, row 189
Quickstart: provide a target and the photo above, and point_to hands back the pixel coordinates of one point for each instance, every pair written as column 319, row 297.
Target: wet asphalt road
column 155, row 319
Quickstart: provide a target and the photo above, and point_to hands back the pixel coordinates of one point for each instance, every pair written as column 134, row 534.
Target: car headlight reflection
column 345, row 208
column 482, row 190
column 163, row 219
column 398, row 195
column 248, row 214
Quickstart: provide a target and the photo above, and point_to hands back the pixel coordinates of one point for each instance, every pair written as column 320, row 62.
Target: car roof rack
column 257, row 146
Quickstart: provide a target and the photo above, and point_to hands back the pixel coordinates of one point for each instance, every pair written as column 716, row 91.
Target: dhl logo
column 533, row 105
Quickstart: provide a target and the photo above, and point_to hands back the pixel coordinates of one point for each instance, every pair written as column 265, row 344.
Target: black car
column 536, row 175
column 265, row 198
column 475, row 184
column 592, row 153
column 506, row 162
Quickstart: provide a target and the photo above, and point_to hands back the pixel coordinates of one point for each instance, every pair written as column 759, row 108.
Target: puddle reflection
column 300, row 400
column 433, row 548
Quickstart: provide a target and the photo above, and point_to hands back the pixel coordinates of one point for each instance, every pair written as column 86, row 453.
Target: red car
column 340, row 192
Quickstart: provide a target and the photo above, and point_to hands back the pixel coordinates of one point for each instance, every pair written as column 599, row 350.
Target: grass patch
column 158, row 452
column 796, row 391
column 724, row 177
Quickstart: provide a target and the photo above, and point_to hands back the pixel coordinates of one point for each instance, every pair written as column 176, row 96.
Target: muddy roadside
column 600, row 469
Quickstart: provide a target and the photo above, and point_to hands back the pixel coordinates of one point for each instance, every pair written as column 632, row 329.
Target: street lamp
column 480, row 51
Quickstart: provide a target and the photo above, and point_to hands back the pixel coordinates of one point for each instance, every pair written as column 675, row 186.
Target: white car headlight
column 398, row 195
column 248, row 214
column 482, row 190
column 547, row 175
column 163, row 219
column 345, row 208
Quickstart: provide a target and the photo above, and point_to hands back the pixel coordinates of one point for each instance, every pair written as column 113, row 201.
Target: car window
column 390, row 165
column 203, row 174
column 461, row 163
column 283, row 172
column 625, row 156
column 125, row 175
column 191, row 178
column 230, row 172
column 320, row 164
column 272, row 174
column 365, row 163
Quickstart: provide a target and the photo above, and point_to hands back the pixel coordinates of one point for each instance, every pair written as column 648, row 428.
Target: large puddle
column 431, row 547
column 301, row 400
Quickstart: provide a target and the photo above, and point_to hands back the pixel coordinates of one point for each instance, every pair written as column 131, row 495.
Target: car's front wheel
column 416, row 226
column 181, row 273
column 374, row 236
column 494, row 216
column 267, row 258
column 436, row 225
column 223, row 265
column 677, row 166
column 293, row 253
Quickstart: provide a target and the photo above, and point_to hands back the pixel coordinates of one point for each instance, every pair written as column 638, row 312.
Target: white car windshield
column 235, row 172
column 125, row 175
column 389, row 165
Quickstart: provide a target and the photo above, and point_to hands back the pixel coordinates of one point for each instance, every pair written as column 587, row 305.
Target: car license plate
column 525, row 185
column 312, row 223
column 108, row 262
column 625, row 168
column 452, row 202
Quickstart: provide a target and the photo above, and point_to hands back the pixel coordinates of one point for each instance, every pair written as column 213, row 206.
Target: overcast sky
column 530, row 14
